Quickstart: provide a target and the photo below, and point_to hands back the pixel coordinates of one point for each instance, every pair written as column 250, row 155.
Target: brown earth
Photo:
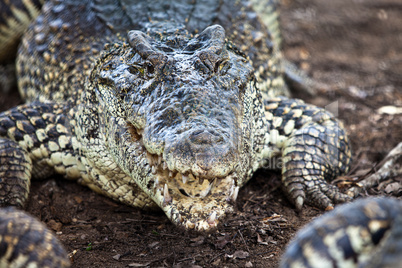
column 354, row 47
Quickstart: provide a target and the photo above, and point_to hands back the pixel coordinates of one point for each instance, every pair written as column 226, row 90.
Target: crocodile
column 173, row 106
column 165, row 105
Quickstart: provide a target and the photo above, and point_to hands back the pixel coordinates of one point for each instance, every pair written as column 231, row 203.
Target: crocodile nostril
column 203, row 136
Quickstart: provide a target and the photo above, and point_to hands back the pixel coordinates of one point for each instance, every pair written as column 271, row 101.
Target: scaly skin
column 366, row 233
column 26, row 242
column 173, row 106
column 160, row 117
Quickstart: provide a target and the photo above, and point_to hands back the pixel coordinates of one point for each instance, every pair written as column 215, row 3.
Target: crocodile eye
column 150, row 69
column 132, row 70
column 222, row 67
column 217, row 66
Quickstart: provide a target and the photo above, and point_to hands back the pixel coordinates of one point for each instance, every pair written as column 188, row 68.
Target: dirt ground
column 354, row 47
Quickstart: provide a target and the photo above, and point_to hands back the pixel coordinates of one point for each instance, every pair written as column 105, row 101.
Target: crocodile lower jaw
column 190, row 201
column 203, row 212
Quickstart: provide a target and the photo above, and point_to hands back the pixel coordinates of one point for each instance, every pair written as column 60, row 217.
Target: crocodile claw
column 317, row 193
column 299, row 202
column 313, row 154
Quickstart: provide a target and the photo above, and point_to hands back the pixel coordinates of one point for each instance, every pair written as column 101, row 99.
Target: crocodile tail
column 296, row 79
column 269, row 14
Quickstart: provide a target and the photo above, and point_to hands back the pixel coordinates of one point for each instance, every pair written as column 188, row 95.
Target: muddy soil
column 353, row 47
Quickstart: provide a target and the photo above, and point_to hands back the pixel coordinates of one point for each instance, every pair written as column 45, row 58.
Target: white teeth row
column 185, row 178
column 156, row 160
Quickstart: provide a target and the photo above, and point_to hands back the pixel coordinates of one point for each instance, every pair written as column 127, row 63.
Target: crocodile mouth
column 187, row 183
column 190, row 201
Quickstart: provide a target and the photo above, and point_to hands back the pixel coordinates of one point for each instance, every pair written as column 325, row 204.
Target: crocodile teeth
column 211, row 219
column 234, row 194
column 180, row 218
column 184, row 178
column 150, row 160
column 170, row 174
column 159, row 160
column 153, row 170
column 165, row 166
column 190, row 225
column 166, row 196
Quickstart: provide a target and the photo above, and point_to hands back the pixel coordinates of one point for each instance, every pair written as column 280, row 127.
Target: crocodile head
column 179, row 119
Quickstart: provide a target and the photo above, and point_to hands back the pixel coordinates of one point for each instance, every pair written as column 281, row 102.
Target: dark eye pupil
column 217, row 64
column 150, row 68
column 132, row 70
column 221, row 67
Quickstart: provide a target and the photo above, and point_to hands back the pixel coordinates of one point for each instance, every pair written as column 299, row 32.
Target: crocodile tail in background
column 269, row 13
column 14, row 20
column 296, row 79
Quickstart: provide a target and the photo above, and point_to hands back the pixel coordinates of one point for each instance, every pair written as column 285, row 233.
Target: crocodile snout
column 202, row 137
column 202, row 152
column 210, row 149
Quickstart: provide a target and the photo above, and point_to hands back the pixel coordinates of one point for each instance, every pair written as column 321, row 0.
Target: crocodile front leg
column 313, row 147
column 35, row 140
